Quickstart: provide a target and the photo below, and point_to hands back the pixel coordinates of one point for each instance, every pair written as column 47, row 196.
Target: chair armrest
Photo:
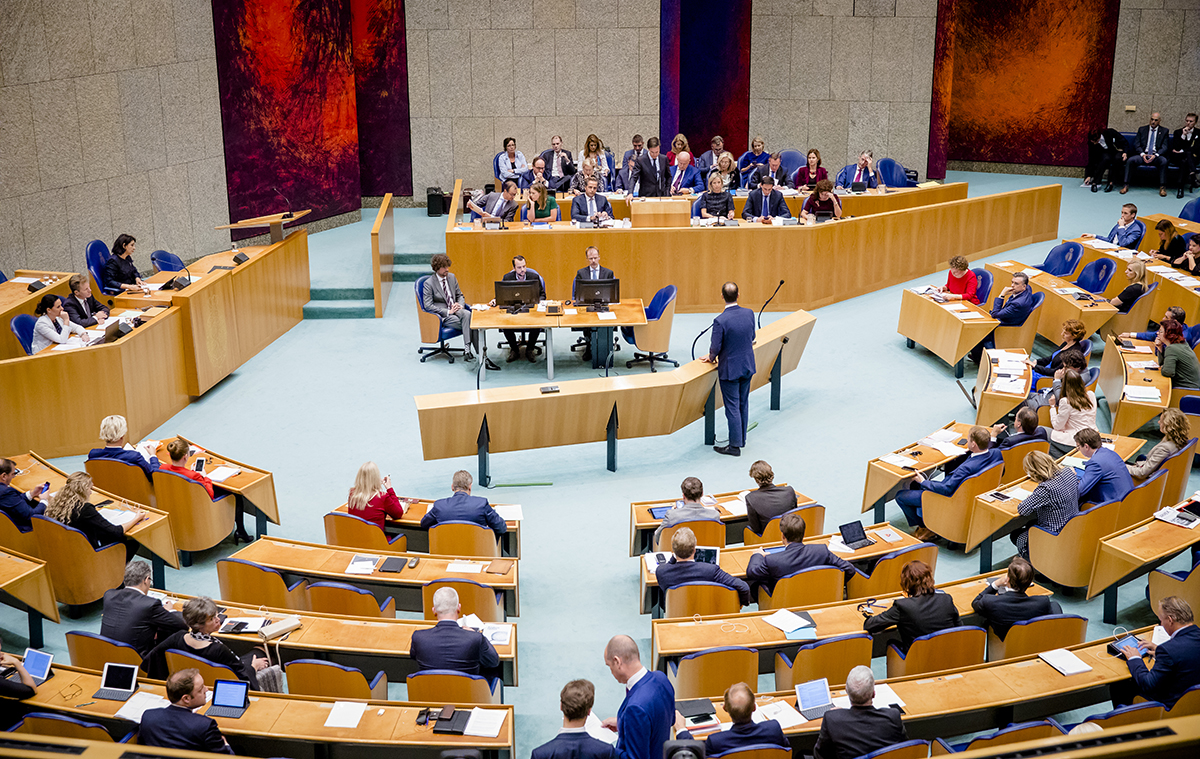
column 379, row 686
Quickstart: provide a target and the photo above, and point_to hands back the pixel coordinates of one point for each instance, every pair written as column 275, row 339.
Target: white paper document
column 1159, row 636
column 887, row 535
column 498, row 633
column 956, row 306
column 1032, row 272
column 1019, row 494
column 597, row 730
column 895, row 459
column 780, row 711
column 70, row 345
column 924, row 289
column 1064, row 661
column 222, row 473
column 119, row 517
column 345, row 714
column 943, row 436
column 23, row 280
column 1102, row 245
column 1009, row 386
column 1145, row 393
column 362, row 565
column 485, row 723
column 471, row 621
column 736, row 507
column 999, row 354
column 509, row 512
column 947, row 449
column 139, row 703
column 837, row 545
column 606, row 316
column 651, row 560
column 1075, row 461
column 464, row 567
column 969, row 315
column 786, row 621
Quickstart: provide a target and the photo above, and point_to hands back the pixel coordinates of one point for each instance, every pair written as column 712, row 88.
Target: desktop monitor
column 597, row 292
column 511, row 293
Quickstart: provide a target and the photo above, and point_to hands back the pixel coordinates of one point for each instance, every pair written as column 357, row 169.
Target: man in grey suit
column 442, row 296
column 497, row 205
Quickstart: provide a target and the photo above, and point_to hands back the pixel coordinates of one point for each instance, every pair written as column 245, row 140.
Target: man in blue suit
column 464, row 507
column 113, row 430
column 683, row 568
column 706, row 161
column 636, row 153
column 739, row 705
column 536, row 173
column 1127, row 232
column 980, row 456
column 591, row 206
column 17, row 505
column 685, row 178
column 1011, row 308
column 446, row 645
column 643, row 723
column 862, row 171
column 573, row 741
column 765, row 569
column 1176, row 661
column 732, row 349
column 1105, row 477
column 765, row 204
column 1148, row 150
column 178, row 726
column 773, row 168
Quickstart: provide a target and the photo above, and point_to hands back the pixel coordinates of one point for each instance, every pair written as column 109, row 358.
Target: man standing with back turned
column 643, row 722
column 732, row 349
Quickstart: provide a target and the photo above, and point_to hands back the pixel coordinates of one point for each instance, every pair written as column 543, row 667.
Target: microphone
column 764, row 306
column 706, row 329
column 289, row 213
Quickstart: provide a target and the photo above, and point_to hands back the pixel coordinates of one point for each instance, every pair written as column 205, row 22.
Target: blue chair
column 1016, row 733
column 1142, row 170
column 1149, row 711
column 432, row 330
column 496, row 169
column 1095, row 276
column 612, row 169
column 983, row 285
column 95, row 256
column 315, row 677
column 831, row 658
column 1191, row 210
column 3, row 278
column 755, row 751
column 892, row 173
column 655, row 336
column 696, row 208
column 791, row 161
column 1062, row 259
column 748, row 158
column 22, row 327
column 954, row 647
column 914, row 749
column 447, row 686
column 164, row 261
column 62, row 726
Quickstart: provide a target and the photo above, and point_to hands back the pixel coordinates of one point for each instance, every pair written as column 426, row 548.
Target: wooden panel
column 269, row 292
column 383, row 249
column 152, row 374
column 27, row 580
column 15, row 298
column 210, row 333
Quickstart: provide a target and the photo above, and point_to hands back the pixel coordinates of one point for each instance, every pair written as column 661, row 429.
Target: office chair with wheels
column 432, row 330
column 654, row 337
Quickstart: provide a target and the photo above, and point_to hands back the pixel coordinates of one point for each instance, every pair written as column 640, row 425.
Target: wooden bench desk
column 15, row 299
column 1116, row 374
column 938, row 328
column 1057, row 307
column 253, row 486
column 1119, row 256
column 418, row 537
column 994, row 404
column 25, row 585
column 730, row 506
column 884, row 480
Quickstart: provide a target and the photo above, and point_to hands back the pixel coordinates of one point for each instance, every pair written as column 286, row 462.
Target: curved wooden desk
column 642, row 523
column 25, row 585
column 15, row 298
column 418, row 536
column 994, row 404
column 938, row 328
column 1116, row 374
column 254, row 486
column 884, row 480
column 1057, row 306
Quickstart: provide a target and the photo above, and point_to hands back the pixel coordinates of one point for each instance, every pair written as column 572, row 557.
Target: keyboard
column 860, row 544
column 111, row 694
column 232, row 712
column 815, row 712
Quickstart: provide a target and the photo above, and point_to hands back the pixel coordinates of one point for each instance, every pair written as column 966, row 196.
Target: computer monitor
column 597, row 293
column 513, row 294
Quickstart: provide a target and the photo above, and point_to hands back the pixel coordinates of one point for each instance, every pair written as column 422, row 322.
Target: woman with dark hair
column 810, row 173
column 200, row 615
column 512, row 161
column 822, row 200
column 921, row 611
column 1170, row 242
column 1176, row 358
column 119, row 272
column 1073, row 332
column 53, row 324
column 1189, row 259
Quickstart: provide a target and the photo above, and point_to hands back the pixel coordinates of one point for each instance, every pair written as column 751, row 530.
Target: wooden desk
column 1057, row 306
column 1120, row 256
column 937, row 327
column 993, row 404
column 661, row 212
column 1175, row 286
column 642, row 525
column 418, row 536
column 253, row 487
column 884, row 480
column 25, row 585
column 1116, row 374
column 316, row 561
column 1150, row 240
column 15, row 299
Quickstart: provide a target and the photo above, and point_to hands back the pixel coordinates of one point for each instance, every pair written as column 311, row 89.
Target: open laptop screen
column 813, row 693
column 230, row 693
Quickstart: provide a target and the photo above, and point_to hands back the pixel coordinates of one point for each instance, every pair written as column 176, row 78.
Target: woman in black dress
column 717, row 202
column 921, row 611
column 200, row 615
column 70, row 506
column 1170, row 242
column 22, row 688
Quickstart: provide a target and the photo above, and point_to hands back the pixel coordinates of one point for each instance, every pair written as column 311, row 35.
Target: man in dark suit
column 559, row 167
column 626, row 179
column 590, row 273
column 113, row 430
column 464, row 507
column 442, row 296
column 1105, row 476
column 1104, row 154
column 709, row 159
column 1003, row 609
column 1185, row 148
column 764, row 204
column 131, row 616
column 653, row 173
column 861, row 729
column 536, row 173
column 1025, row 430
column 17, row 505
column 497, row 205
column 81, row 307
column 643, row 723
column 1011, row 308
column 732, row 350
column 769, row 501
column 774, row 169
column 446, row 645
column 683, row 568
column 573, row 741
column 744, row 732
column 178, row 725
column 766, row 569
column 591, row 206
column 637, row 151
column 861, row 171
column 520, row 272
column 980, row 456
column 1176, row 661
column 1148, row 150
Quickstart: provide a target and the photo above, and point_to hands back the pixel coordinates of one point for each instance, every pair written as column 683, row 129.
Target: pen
column 89, row 703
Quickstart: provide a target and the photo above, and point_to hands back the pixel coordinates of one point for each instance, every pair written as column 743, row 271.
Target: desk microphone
column 706, row 329
column 764, row 307
column 289, row 213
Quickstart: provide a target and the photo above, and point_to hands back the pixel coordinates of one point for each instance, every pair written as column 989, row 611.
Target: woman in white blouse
column 53, row 324
column 1076, row 410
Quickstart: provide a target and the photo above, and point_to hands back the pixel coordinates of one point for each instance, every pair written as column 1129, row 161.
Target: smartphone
column 199, row 465
column 45, row 487
column 447, row 712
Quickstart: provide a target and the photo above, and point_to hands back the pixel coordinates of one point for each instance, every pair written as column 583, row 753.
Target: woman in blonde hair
column 1053, row 501
column 70, row 506
column 678, row 145
column 372, row 497
column 587, row 170
column 1135, row 272
column 1176, row 433
column 726, row 169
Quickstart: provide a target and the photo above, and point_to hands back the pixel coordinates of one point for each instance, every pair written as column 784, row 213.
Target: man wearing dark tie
column 643, row 723
column 536, row 173
column 81, row 307
column 626, row 180
column 685, row 179
column 573, row 741
column 654, row 176
column 863, row 171
column 591, row 206
column 559, row 167
column 178, row 725
column 497, row 205
column 638, row 150
column 1148, row 149
column 765, row 203
column 773, row 168
column 732, row 350
column 590, row 273
column 520, row 273
column 1176, row 660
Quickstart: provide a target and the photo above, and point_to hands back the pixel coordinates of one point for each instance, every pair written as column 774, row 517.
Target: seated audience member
column 372, row 497
column 774, row 168
column 637, row 151
column 71, row 507
column 1083, row 728
column 1176, row 432
column 442, row 296
column 519, row 273
column 1054, row 500
column 1011, row 308
column 85, row 310
column 543, row 206
column 559, row 167
column 1173, row 312
column 17, row 505
column 1072, row 360
column 113, row 430
column 765, row 203
column 811, row 172
column 863, row 171
column 822, row 201
column 861, row 729
column 573, row 741
column 682, row 568
column 1176, row 661
column 717, row 202
column 979, row 457
column 512, row 161
column 1170, row 242
column 592, row 272
column 203, row 620
column 678, row 145
column 1075, row 411
column 497, row 205
column 1025, row 430
column 1149, row 149
column 1184, row 152
column 53, row 326
column 685, row 179
column 961, row 282
column 120, row 272
column 23, row 687
column 922, row 609
column 587, row 170
column 1176, row 359
column 447, row 645
column 178, row 726
column 1073, row 333
column 1127, row 232
column 1003, row 602
column 743, row 732
column 1105, row 477
column 708, row 160
column 463, row 507
column 758, row 156
column 769, row 500
column 132, row 616
column 627, row 178
column 591, row 205
column 690, row 510
column 726, row 169
column 594, row 149
column 1135, row 272
column 766, row 569
column 1104, row 154
column 653, row 171
column 178, row 450
column 536, row 173
column 1190, row 259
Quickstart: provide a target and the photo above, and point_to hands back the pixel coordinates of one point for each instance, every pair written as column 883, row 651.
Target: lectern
column 274, row 221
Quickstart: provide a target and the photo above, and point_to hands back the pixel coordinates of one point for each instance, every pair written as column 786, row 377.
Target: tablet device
column 118, row 682
column 1114, row 648
column 230, row 699
column 37, row 664
column 813, row 699
column 658, row 512
column 708, row 554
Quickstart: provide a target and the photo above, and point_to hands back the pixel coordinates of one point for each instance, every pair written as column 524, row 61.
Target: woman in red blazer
column 372, row 497
column 811, row 173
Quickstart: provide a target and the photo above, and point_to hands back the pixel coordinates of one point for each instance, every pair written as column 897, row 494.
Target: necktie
column 595, row 273
column 496, row 208
column 1152, row 141
column 57, row 326
column 591, row 207
column 87, row 309
column 858, row 175
column 678, row 180
column 446, row 289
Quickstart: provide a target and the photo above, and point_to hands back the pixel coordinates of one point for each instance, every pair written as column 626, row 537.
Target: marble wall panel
column 171, row 207
column 183, row 127
column 24, row 57
column 47, row 243
column 142, row 117
column 193, row 30
column 88, row 218
column 56, row 127
column 129, row 204
column 576, row 71
column 474, row 146
column 209, row 205
column 553, row 14
column 18, row 160
column 492, row 73
column 812, row 57
column 102, row 139
column 1160, row 36
column 892, row 59
column 432, row 154
column 154, row 32
column 449, row 77
column 69, row 35
column 113, row 20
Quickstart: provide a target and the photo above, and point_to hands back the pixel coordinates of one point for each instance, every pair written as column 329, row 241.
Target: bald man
column 643, row 722
column 745, row 732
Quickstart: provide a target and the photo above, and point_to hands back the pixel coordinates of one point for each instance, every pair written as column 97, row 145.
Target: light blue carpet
column 331, row 394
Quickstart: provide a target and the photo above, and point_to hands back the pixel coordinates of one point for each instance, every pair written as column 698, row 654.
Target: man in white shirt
column 1185, row 144
column 497, row 206
column 559, row 167
column 591, row 206
column 1148, row 149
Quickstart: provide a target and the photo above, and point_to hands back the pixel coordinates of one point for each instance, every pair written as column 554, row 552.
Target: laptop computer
column 813, row 699
column 854, row 536
column 231, row 699
column 37, row 664
column 118, row 683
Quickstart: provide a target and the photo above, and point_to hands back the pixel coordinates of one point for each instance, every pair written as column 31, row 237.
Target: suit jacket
column 626, row 179
column 530, row 275
column 781, row 177
column 775, row 206
column 586, row 273
column 434, row 299
column 850, row 733
column 916, row 616
column 507, row 210
column 1176, row 668
column 19, row 508
column 579, row 207
column 645, row 718
column 129, row 457
column 733, row 343
column 1105, row 478
column 691, row 180
column 568, row 166
column 741, row 735
column 654, row 176
column 177, row 727
column 137, row 619
column 1129, row 237
column 526, row 179
column 948, row 485
column 845, row 177
column 766, row 569
column 802, row 177
column 1190, row 147
column 688, row 512
column 1002, row 610
column 1015, row 310
column 675, row 573
column 577, row 745
column 766, row 503
column 1005, row 440
column 462, row 507
column 706, row 161
column 628, row 153
column 83, row 314
column 448, row 646
column 1141, row 143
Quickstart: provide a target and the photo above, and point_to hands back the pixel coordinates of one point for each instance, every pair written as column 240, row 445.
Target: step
column 342, row 293
column 411, row 258
column 410, row 272
column 340, row 309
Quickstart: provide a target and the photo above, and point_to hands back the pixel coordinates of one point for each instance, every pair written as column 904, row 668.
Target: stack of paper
column 780, row 711
column 786, row 620
column 485, row 723
column 923, row 290
column 346, row 714
column 222, row 473
column 1166, row 271
column 1064, row 661
column 471, row 622
column 23, row 280
column 884, row 696
column 139, row 703
column 837, row 545
column 119, row 517
column 1143, row 364
column 968, row 315
column 1159, row 636
column 1142, row 393
column 509, row 512
column 652, row 561
column 999, row 354
column 946, row 449
column 942, row 436
column 362, row 565
column 1019, row 494
column 498, row 633
column 1009, row 386
column 896, row 459
column 1102, row 245
column 956, row 306
column 888, row 535
column 736, row 507
column 464, row 567
column 1031, row 272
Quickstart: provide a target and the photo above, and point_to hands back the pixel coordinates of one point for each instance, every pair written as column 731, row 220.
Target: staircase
column 340, row 303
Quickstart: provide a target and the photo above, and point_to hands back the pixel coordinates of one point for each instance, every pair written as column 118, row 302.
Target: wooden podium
column 274, row 221
column 661, row 212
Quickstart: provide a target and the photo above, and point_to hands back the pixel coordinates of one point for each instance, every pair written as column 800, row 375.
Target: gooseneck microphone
column 706, row 329
column 289, row 213
column 764, row 306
